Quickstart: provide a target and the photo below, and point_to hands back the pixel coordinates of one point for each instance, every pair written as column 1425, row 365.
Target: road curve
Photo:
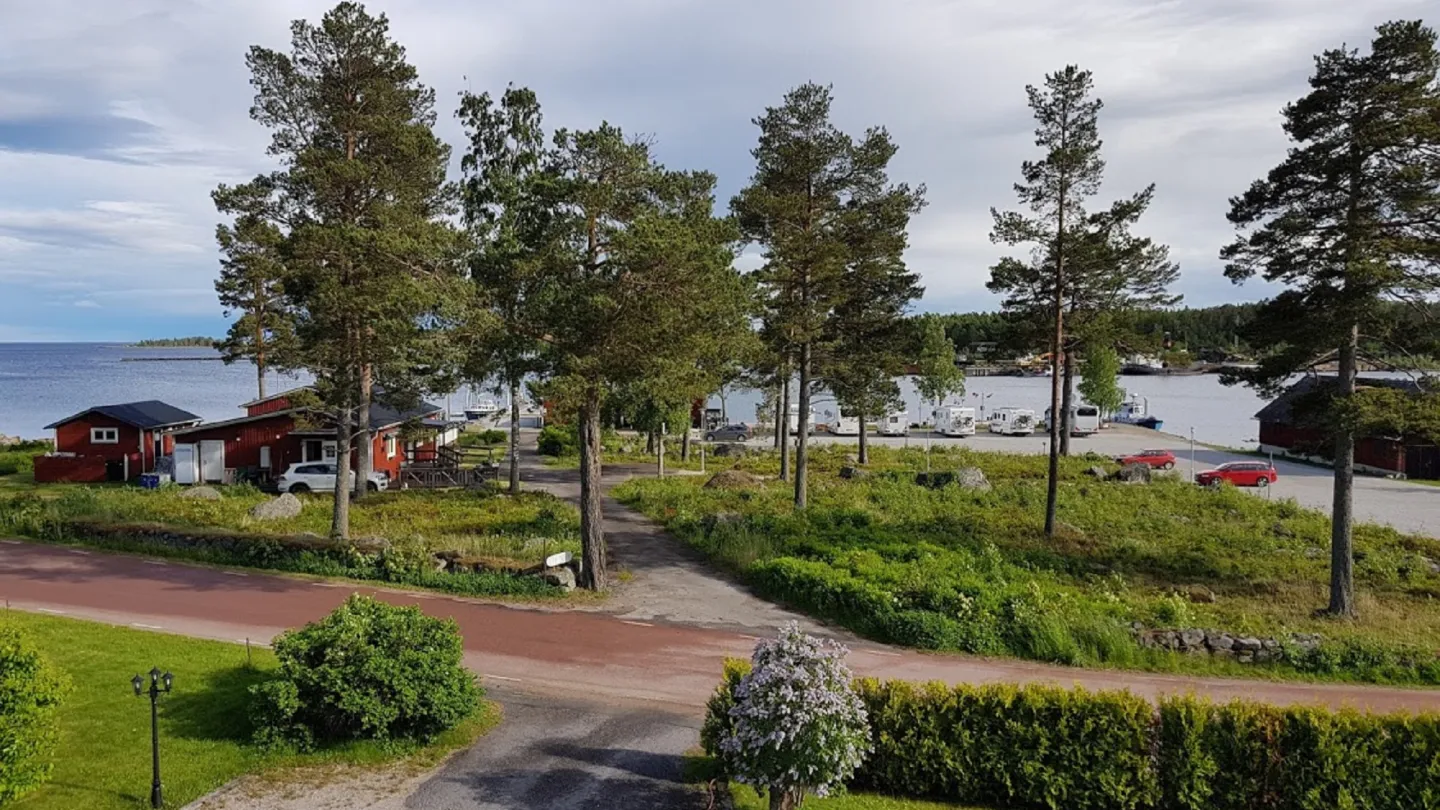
column 574, row 654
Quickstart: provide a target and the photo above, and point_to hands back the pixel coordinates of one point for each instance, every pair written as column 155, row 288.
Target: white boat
column 1135, row 410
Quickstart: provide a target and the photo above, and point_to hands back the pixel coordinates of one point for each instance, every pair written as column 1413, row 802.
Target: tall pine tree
column 1350, row 218
column 251, row 283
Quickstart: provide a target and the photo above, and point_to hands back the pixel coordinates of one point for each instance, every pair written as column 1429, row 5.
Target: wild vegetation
column 19, row 458
column 955, row 569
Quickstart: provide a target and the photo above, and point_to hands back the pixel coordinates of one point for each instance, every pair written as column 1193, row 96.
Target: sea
column 41, row 383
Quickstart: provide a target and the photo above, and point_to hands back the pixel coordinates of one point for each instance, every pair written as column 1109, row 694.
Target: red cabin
column 112, row 442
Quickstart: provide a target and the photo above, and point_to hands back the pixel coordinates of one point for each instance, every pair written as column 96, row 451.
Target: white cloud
column 86, row 303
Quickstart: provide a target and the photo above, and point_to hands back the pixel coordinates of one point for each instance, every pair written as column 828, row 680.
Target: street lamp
column 159, row 684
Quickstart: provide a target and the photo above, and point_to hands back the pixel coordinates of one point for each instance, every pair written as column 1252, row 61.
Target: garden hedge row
column 1046, row 747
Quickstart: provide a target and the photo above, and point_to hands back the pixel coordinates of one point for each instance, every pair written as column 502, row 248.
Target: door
column 185, row 470
column 212, row 461
column 265, row 457
column 311, row 450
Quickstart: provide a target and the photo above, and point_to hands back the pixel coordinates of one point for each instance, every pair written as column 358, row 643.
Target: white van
column 955, row 421
column 1084, row 420
column 794, row 421
column 895, row 424
column 842, row 423
column 1013, row 422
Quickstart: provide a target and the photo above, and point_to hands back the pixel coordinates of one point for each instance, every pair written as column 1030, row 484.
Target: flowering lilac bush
column 797, row 726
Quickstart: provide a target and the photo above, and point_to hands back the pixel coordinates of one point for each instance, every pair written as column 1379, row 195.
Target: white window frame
column 390, row 446
column 98, row 435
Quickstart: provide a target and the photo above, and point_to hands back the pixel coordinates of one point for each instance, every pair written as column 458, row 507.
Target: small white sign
column 557, row 560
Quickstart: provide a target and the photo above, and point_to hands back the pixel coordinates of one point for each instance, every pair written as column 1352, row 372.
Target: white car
column 319, row 476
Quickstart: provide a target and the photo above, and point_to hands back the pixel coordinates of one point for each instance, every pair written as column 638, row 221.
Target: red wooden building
column 274, row 433
column 1285, row 432
column 112, row 442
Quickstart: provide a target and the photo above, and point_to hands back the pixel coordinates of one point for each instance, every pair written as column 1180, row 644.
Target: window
column 104, row 435
column 390, row 446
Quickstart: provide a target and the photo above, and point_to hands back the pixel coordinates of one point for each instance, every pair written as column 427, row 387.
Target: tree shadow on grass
column 215, row 708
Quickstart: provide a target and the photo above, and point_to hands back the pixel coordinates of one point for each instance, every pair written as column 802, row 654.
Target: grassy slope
column 1121, row 553
column 104, row 756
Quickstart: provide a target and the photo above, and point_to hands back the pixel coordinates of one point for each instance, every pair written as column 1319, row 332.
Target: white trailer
column 951, row 420
column 794, row 420
column 1013, row 422
column 842, row 423
column 896, row 423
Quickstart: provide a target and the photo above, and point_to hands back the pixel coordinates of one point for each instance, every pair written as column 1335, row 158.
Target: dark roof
column 382, row 415
column 151, row 413
column 283, row 394
column 1279, row 411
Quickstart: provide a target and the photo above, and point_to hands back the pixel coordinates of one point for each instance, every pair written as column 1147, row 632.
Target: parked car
column 319, row 476
column 1239, row 473
column 729, row 433
column 1156, row 459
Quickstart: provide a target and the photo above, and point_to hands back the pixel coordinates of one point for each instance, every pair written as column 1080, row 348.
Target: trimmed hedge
column 1046, row 747
column 30, row 693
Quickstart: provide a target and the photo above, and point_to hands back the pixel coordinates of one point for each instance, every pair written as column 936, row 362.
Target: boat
column 1135, row 410
column 1141, row 364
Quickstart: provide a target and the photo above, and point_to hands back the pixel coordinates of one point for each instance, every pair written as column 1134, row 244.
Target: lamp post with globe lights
column 160, row 683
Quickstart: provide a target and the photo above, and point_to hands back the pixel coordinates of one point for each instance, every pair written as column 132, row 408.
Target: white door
column 185, row 471
column 265, row 457
column 212, row 460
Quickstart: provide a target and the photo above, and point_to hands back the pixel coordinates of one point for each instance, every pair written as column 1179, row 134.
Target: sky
column 117, row 119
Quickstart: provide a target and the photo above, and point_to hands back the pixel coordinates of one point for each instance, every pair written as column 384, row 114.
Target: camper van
column 1013, row 422
column 895, row 424
column 794, row 421
column 1084, row 420
column 842, row 423
column 953, row 421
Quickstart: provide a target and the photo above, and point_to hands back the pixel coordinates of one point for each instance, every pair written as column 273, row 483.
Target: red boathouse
column 112, row 442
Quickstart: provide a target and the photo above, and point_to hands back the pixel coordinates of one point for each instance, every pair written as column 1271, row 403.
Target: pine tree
column 937, row 377
column 1349, row 218
column 251, row 283
column 361, row 199
column 1055, row 189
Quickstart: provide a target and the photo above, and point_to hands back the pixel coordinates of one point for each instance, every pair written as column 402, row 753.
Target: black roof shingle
column 150, row 413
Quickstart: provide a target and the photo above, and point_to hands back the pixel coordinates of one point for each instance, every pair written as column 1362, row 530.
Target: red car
column 1157, row 459
column 1239, row 473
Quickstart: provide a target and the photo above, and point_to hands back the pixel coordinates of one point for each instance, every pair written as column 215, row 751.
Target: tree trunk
column 779, row 417
column 1052, row 486
column 685, row 445
column 1342, row 554
column 592, row 530
column 802, row 443
column 864, row 454
column 514, row 436
column 783, row 799
column 1067, row 405
column 650, row 442
column 785, row 427
column 365, row 446
column 340, row 517
column 660, row 454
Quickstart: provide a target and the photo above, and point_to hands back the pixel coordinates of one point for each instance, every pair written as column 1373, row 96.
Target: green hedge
column 1045, row 747
column 30, row 693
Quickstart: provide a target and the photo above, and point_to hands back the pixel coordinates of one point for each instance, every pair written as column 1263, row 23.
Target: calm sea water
column 43, row 382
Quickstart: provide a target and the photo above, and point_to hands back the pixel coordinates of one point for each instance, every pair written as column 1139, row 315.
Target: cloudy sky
column 118, row 118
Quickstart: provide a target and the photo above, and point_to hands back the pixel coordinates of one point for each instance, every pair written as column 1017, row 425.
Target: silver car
column 729, row 433
column 319, row 476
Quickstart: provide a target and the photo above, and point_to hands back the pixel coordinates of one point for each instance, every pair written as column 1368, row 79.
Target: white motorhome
column 1084, row 420
column 794, row 420
column 1013, row 422
column 955, row 421
column 842, row 423
column 895, row 424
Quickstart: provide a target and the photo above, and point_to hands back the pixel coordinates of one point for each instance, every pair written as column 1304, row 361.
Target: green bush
column 30, row 692
column 558, row 440
column 369, row 670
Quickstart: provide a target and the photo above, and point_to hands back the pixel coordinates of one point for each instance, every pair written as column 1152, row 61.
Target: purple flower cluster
column 797, row 723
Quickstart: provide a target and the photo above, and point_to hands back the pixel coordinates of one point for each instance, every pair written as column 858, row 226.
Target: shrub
column 367, row 671
column 555, row 440
column 796, row 726
column 30, row 693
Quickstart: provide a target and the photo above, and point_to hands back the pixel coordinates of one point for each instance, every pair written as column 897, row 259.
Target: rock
column 282, row 508
column 202, row 493
column 1248, row 644
column 1431, row 564
column 1220, row 642
column 1199, row 594
column 1192, row 638
column 1263, row 656
column 732, row 479
column 853, row 473
column 730, row 450
column 563, row 578
column 370, row 545
column 1305, row 641
column 1134, row 474
column 1168, row 639
column 1269, row 644
column 440, row 564
column 1245, row 657
column 972, row 478
column 1098, row 473
column 719, row 519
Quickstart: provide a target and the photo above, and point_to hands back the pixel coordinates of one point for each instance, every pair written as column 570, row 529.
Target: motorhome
column 1084, row 420
column 794, row 421
column 1013, row 422
column 954, row 421
column 842, row 423
column 895, row 424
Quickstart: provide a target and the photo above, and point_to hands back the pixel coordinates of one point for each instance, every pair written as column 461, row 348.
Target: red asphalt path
column 577, row 654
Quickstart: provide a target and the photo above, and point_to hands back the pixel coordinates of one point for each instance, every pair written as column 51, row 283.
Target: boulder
column 562, row 578
column 1199, row 594
column 282, row 508
column 1220, row 642
column 202, row 493
column 1192, row 638
column 1248, row 644
column 853, row 473
column 1245, row 657
column 732, row 479
column 730, row 450
column 1098, row 473
column 972, row 478
column 1134, row 474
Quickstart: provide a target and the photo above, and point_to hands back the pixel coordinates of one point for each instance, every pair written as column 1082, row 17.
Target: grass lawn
column 103, row 761
column 972, row 571
column 747, row 799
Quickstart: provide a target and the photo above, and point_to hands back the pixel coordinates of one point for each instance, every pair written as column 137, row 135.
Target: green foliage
column 937, row 376
column 369, row 670
column 19, row 458
column 1099, row 383
column 557, row 440
column 31, row 690
column 197, row 341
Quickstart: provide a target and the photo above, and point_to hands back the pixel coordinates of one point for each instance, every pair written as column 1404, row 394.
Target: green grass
column 950, row 569
column 747, row 799
column 103, row 762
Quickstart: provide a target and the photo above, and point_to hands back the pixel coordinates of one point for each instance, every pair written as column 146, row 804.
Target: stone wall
column 1244, row 649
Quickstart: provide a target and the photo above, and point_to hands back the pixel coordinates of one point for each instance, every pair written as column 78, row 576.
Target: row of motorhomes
column 953, row 420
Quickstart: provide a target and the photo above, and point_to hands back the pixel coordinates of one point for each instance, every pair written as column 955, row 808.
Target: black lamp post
column 159, row 684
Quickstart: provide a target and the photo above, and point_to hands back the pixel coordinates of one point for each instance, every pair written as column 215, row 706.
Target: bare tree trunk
column 1067, row 405
column 864, row 454
column 785, row 426
column 650, row 442
column 592, row 528
column 685, row 445
column 514, row 436
column 1342, row 554
column 340, row 517
column 1052, row 486
column 364, row 463
column 802, row 443
column 779, row 417
column 660, row 454
column 783, row 799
